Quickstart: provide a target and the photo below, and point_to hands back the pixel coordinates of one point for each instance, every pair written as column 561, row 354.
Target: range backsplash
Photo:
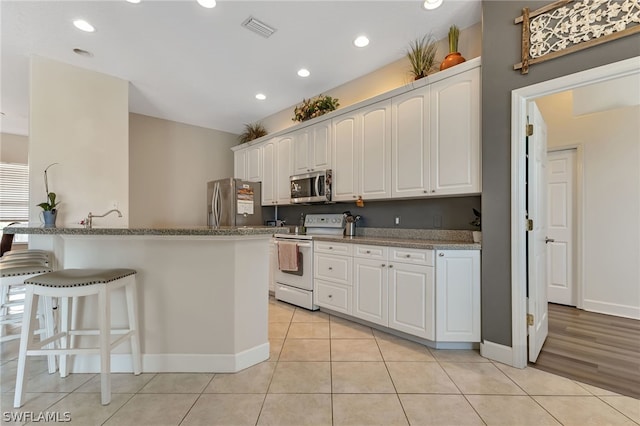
column 425, row 213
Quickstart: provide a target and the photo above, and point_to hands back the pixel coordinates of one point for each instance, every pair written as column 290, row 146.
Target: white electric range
column 297, row 287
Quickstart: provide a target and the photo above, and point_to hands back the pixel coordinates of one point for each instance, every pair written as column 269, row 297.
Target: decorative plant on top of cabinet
column 454, row 57
column 422, row 54
column 315, row 107
column 252, row 131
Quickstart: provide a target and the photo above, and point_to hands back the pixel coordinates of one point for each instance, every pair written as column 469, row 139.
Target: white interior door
column 536, row 238
column 561, row 227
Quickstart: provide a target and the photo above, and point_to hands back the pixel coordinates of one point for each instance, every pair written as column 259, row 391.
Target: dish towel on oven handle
column 287, row 256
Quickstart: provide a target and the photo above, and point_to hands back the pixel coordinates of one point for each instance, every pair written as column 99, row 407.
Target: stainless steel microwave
column 313, row 187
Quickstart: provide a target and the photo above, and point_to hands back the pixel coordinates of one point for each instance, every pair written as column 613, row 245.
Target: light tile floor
column 325, row 370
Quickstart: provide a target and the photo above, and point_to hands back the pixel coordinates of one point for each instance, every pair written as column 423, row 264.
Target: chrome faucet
column 88, row 223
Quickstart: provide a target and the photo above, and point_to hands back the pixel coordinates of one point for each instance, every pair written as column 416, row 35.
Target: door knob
column 548, row 240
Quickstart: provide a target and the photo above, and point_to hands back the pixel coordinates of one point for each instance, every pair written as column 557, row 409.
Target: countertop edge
column 195, row 231
column 406, row 243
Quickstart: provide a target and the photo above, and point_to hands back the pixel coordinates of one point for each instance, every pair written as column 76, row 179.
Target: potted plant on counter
column 422, row 54
column 477, row 235
column 49, row 210
column 454, row 57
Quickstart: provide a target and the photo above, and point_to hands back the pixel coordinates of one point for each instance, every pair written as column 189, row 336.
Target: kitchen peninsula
column 202, row 291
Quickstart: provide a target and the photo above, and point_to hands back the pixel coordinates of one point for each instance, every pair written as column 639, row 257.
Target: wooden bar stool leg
column 132, row 313
column 104, row 307
column 26, row 337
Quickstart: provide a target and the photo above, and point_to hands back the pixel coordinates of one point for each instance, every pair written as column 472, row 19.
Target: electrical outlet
column 437, row 221
column 397, row 220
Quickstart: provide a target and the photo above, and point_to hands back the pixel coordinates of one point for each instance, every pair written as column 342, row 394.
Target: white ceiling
column 200, row 66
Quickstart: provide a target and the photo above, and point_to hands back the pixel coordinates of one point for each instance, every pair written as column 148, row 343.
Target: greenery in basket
column 50, row 204
column 454, row 35
column 251, row 132
column 315, row 107
column 422, row 54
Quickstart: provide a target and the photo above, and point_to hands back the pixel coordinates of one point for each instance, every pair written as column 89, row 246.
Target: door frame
column 579, row 206
column 519, row 260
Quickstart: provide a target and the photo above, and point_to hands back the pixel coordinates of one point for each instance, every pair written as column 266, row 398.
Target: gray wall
column 431, row 213
column 500, row 50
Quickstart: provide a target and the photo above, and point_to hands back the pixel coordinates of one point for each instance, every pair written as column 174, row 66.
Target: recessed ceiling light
column 83, row 52
column 304, row 72
column 261, row 96
column 134, row 1
column 207, row 3
column 432, row 4
column 361, row 41
column 83, row 25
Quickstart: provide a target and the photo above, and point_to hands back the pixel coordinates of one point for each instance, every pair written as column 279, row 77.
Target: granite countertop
column 185, row 231
column 404, row 242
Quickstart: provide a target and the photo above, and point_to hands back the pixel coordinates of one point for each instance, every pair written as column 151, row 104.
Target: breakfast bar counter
column 202, row 291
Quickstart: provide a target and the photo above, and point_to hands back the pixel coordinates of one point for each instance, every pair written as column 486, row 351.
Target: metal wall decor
column 567, row 26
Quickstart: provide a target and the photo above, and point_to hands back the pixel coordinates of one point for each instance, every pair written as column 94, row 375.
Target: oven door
column 303, row 278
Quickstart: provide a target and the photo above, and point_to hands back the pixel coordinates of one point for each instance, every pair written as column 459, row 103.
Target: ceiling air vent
column 258, row 27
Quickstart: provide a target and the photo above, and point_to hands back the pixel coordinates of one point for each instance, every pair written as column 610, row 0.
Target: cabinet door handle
column 330, row 268
column 330, row 296
column 408, row 256
column 390, row 266
column 433, row 190
column 330, row 247
column 425, row 191
column 441, row 254
column 383, row 265
column 548, row 240
column 368, row 251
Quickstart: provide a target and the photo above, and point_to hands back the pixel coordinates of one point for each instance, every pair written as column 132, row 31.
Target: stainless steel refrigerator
column 234, row 202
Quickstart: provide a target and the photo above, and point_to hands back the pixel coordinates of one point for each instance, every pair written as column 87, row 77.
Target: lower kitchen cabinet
column 434, row 295
column 370, row 289
column 412, row 299
column 458, row 296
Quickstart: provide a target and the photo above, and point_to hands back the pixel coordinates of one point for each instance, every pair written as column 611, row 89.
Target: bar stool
column 72, row 284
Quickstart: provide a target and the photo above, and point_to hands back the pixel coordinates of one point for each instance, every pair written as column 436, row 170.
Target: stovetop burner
column 319, row 224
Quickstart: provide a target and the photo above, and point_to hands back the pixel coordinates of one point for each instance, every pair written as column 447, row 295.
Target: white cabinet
column 283, row 170
column 433, row 295
column 370, row 284
column 410, row 144
column 273, row 265
column 436, row 138
column 345, row 152
column 269, row 167
column 332, row 276
column 412, row 299
column 240, row 164
column 254, row 163
column 312, row 148
column 458, row 296
column 361, row 149
column 455, row 134
column 276, row 171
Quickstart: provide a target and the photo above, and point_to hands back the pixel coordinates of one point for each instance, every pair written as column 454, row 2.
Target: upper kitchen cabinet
column 240, row 164
column 361, row 150
column 410, row 144
column 455, row 134
column 276, row 171
column 312, row 148
column 254, row 163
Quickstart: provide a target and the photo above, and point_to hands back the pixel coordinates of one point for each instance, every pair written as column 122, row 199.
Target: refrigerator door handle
column 215, row 206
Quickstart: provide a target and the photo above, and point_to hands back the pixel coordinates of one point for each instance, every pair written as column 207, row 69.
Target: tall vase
column 451, row 59
column 49, row 218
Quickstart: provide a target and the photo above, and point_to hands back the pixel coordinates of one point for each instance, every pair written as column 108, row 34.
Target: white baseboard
column 175, row 363
column 497, row 352
column 616, row 309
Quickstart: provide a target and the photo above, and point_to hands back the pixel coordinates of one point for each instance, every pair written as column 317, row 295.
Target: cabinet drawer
column 414, row 256
column 333, row 296
column 332, row 248
column 371, row 252
column 333, row 268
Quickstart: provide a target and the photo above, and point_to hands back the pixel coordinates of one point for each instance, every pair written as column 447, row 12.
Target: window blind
column 14, row 192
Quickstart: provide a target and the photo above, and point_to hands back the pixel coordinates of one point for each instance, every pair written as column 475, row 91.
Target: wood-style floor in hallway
column 601, row 350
